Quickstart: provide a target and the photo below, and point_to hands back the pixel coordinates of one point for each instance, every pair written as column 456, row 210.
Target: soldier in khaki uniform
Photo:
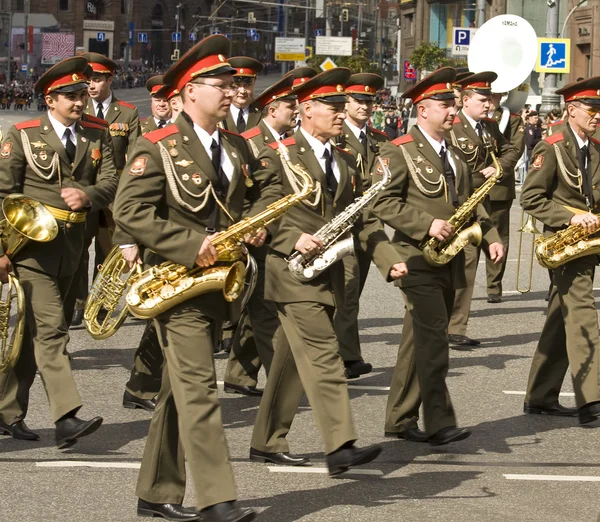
column 466, row 134
column 66, row 164
column 159, row 105
column 430, row 180
column 254, row 339
column 243, row 115
column 181, row 184
column 310, row 362
column 561, row 189
column 363, row 142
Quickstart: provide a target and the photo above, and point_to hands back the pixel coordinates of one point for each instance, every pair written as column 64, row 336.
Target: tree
column 429, row 56
column 357, row 63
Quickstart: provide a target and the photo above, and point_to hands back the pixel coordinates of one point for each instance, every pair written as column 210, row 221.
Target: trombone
column 528, row 226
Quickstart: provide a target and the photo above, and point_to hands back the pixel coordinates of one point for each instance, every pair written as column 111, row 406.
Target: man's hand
column 588, row 220
column 131, row 255
column 398, row 270
column 207, row 255
column 5, row 268
column 496, row 251
column 488, row 172
column 440, row 229
column 257, row 239
column 76, row 199
column 308, row 244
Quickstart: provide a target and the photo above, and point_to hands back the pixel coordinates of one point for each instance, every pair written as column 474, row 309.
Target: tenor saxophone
column 161, row 287
column 305, row 267
column 438, row 253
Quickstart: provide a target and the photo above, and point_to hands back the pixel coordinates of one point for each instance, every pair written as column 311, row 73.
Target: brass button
column 68, row 225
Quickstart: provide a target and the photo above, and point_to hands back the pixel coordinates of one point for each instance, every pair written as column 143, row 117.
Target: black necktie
column 161, row 123
column 586, row 181
column 100, row 114
column 479, row 130
column 215, row 150
column 69, row 145
column 332, row 183
column 449, row 176
column 241, row 123
column 363, row 141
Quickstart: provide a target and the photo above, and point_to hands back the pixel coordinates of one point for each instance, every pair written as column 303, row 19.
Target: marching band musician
column 467, row 134
column 255, row 335
column 243, row 114
column 310, row 362
column 65, row 163
column 430, row 180
column 561, row 189
column 159, row 106
column 181, row 184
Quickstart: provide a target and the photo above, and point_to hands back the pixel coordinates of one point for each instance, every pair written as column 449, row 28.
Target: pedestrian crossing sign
column 554, row 55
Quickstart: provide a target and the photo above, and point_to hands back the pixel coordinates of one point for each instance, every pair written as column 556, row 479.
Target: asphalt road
column 513, row 468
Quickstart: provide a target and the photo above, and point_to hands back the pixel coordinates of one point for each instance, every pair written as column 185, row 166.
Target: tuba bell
column 25, row 219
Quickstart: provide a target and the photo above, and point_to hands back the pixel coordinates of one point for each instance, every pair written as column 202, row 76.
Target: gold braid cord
column 568, row 177
column 253, row 148
column 293, row 179
column 54, row 166
column 415, row 174
column 174, row 182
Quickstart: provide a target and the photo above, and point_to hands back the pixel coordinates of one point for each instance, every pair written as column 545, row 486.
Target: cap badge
column 75, row 77
column 367, row 88
column 242, row 71
column 221, row 58
column 448, row 86
column 339, row 88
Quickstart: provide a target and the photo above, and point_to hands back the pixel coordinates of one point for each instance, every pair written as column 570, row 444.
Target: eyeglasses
column 225, row 89
column 591, row 111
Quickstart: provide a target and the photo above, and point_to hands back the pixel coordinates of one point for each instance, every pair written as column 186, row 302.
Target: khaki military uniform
column 161, row 202
column 415, row 197
column 147, row 125
column 378, row 247
column 254, row 117
column 310, row 361
column 570, row 337
column 33, row 161
column 464, row 137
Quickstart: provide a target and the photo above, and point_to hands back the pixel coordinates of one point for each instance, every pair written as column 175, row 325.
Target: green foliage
column 357, row 63
column 429, row 56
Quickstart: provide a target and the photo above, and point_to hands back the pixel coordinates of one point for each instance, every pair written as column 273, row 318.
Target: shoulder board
column 343, row 150
column 96, row 120
column 229, row 132
column 159, row 134
column 126, row 104
column 557, row 122
column 596, row 141
column 402, row 140
column 555, row 138
column 28, row 124
column 456, row 120
column 492, row 120
column 289, row 141
column 377, row 131
column 515, row 115
column 254, row 131
column 93, row 125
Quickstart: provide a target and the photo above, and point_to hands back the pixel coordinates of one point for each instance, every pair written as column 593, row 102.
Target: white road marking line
column 512, row 392
column 87, row 464
column 307, row 469
column 365, row 387
column 559, row 478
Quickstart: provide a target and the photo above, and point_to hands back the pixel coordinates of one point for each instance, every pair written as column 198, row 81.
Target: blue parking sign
column 553, row 55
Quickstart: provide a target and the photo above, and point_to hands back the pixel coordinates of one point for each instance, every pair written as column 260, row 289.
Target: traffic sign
column 461, row 40
column 334, row 45
column 289, row 49
column 318, row 32
column 256, row 37
column 410, row 73
column 142, row 37
column 101, row 37
column 24, row 67
column 215, row 30
column 176, row 37
column 228, row 35
column 554, row 55
column 192, row 36
column 251, row 32
column 328, row 64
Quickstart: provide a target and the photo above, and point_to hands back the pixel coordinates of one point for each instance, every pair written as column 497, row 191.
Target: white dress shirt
column 105, row 105
column 157, row 121
column 437, row 146
column 355, row 130
column 581, row 143
column 206, row 139
column 276, row 135
column 319, row 149
column 59, row 128
column 235, row 111
column 472, row 121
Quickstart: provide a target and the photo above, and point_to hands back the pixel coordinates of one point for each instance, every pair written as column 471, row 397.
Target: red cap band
column 437, row 88
column 244, row 71
column 206, row 64
column 101, row 68
column 298, row 81
column 321, row 92
column 577, row 94
column 156, row 88
column 360, row 89
column 478, row 85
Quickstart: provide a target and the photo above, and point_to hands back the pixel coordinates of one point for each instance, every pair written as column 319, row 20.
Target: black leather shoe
column 589, row 413
column 549, row 409
column 447, row 435
column 354, row 369
column 341, row 460
column 227, row 512
column 225, row 345
column 413, row 435
column 494, row 299
column 462, row 340
column 251, row 391
column 18, row 430
column 285, row 458
column 168, row 511
column 70, row 429
column 132, row 402
column 77, row 318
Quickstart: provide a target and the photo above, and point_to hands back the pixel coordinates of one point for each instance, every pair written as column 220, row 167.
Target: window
column 122, row 6
column 64, row 5
column 20, row 5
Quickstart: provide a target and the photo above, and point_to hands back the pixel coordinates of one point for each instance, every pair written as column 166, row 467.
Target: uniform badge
column 183, row 163
column 419, row 159
column 462, row 146
column 196, row 178
column 96, row 156
column 429, row 169
column 83, row 139
column 38, row 144
column 248, row 181
column 185, row 177
column 6, row 150
column 139, row 166
column 264, row 163
column 234, row 155
column 43, row 155
column 537, row 164
column 471, row 146
column 173, row 151
column 386, row 162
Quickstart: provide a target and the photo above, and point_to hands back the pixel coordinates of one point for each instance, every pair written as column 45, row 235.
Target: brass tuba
column 161, row 287
column 24, row 219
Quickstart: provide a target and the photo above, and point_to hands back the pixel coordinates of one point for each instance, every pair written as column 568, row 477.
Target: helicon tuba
column 25, row 219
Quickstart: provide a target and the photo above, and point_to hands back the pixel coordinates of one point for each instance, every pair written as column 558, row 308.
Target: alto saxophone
column 305, row 267
column 438, row 253
column 168, row 284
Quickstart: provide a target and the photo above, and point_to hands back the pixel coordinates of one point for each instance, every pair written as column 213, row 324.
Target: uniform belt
column 67, row 215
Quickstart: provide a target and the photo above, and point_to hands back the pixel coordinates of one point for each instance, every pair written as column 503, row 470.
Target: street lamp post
column 177, row 31
column 550, row 100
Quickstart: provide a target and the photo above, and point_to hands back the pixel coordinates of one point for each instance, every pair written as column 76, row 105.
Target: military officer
column 310, row 360
column 430, row 179
column 469, row 126
column 173, row 97
column 159, row 106
column 66, row 164
column 533, row 133
column 255, row 334
column 172, row 203
column 243, row 114
column 561, row 190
